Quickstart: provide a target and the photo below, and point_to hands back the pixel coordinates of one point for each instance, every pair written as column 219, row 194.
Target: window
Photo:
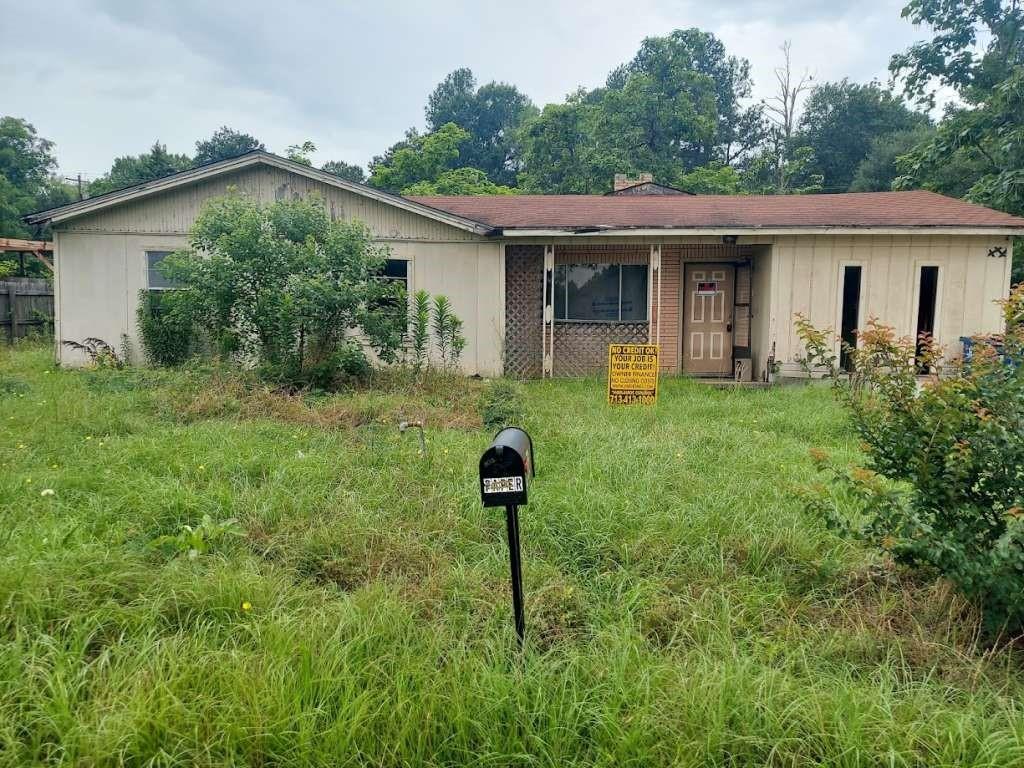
column 156, row 280
column 601, row 293
column 396, row 270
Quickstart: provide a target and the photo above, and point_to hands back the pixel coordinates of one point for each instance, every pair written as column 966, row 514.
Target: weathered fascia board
column 83, row 207
column 763, row 231
column 14, row 244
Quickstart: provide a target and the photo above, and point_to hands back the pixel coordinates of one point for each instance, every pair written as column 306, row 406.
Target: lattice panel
column 524, row 310
column 581, row 349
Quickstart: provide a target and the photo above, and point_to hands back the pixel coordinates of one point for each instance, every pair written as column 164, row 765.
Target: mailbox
column 506, row 469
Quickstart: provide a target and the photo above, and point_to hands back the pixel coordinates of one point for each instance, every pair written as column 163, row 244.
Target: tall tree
column 491, row 114
column 878, row 170
column 560, row 151
column 840, row 120
column 299, row 153
column 691, row 69
column 977, row 49
column 420, row 158
column 458, row 181
column 135, row 169
column 776, row 167
column 224, row 143
column 27, row 180
column 347, row 171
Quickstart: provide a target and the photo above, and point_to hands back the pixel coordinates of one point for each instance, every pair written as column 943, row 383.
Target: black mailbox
column 506, row 468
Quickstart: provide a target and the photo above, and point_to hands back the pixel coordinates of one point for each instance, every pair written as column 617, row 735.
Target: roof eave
column 576, row 231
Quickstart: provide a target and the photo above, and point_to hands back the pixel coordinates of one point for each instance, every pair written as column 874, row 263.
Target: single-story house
column 544, row 283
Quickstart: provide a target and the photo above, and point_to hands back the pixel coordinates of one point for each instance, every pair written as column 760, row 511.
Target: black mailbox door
column 502, row 478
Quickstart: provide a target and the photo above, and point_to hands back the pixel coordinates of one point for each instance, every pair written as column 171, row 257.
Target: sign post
column 633, row 374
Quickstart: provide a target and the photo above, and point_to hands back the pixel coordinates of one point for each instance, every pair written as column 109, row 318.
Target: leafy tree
column 977, row 49
column 27, row 182
column 690, row 69
column 491, row 114
column 420, row 158
column 713, row 179
column 299, row 153
column 839, row 122
column 776, row 170
column 135, row 169
column 673, row 108
column 288, row 287
column 224, row 143
column 459, row 181
column 560, row 155
column 878, row 170
column 343, row 170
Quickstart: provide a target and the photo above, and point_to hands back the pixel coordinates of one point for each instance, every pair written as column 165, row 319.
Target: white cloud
column 109, row 77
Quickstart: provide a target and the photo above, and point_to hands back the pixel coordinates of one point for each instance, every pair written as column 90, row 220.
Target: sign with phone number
column 633, row 374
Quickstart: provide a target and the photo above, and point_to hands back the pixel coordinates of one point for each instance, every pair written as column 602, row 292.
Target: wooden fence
column 26, row 308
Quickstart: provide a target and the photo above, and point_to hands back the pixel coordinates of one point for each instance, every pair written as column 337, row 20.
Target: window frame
column 599, row 265
column 149, row 270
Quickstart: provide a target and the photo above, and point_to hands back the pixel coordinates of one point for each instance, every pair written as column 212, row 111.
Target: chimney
column 623, row 180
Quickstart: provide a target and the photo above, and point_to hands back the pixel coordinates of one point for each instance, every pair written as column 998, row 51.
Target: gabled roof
column 595, row 214
column 256, row 157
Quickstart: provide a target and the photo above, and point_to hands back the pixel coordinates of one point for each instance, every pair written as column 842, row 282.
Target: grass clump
column 682, row 607
column 502, row 404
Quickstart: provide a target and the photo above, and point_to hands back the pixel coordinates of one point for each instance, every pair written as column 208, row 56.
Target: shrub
column 944, row 483
column 502, row 404
column 166, row 329
column 447, row 333
column 287, row 286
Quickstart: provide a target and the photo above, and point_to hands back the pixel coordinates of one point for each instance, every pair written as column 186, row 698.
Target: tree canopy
column 839, row 122
column 135, row 169
column 224, row 143
column 491, row 115
column 27, row 181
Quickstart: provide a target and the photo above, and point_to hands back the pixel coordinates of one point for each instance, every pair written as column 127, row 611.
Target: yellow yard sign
column 632, row 374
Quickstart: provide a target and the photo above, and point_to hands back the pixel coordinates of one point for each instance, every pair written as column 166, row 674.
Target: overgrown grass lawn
column 682, row 609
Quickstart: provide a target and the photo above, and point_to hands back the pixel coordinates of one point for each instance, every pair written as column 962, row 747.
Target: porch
column 704, row 303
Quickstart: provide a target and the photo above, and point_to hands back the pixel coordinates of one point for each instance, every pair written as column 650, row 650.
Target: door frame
column 729, row 311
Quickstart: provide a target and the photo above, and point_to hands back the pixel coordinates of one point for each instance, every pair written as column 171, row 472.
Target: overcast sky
column 103, row 78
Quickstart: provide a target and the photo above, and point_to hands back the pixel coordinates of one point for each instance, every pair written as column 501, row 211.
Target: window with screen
column 155, row 278
column 394, row 271
column 601, row 293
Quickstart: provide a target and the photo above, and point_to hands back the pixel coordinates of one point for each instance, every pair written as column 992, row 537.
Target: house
column 544, row 283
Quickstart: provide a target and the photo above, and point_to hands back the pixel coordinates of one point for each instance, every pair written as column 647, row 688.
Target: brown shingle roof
column 864, row 209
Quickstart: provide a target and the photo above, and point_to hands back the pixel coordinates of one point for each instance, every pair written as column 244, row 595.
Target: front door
column 707, row 319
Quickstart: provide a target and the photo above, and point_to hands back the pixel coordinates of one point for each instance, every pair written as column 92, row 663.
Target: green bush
column 502, row 404
column 287, row 286
column 166, row 329
column 944, row 484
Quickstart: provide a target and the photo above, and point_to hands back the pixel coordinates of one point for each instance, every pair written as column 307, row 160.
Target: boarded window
column 601, row 293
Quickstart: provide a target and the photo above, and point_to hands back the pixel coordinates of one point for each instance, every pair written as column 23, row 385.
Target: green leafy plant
column 166, row 329
column 448, row 336
column 193, row 541
column 99, row 352
column 286, row 286
column 943, row 488
column 819, row 354
column 419, row 335
column 502, row 403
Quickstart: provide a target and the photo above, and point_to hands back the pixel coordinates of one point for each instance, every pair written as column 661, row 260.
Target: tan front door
column 707, row 319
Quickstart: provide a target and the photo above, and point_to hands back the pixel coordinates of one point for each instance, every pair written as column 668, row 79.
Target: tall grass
column 681, row 608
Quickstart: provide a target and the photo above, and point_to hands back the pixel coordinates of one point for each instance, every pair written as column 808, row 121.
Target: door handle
column 728, row 327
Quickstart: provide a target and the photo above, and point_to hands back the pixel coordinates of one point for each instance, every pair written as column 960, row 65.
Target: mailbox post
column 506, row 469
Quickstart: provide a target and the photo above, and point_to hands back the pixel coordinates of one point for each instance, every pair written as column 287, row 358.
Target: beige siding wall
column 101, row 262
column 805, row 275
column 761, row 316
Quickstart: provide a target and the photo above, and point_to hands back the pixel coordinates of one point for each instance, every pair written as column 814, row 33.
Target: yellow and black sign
column 632, row 374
